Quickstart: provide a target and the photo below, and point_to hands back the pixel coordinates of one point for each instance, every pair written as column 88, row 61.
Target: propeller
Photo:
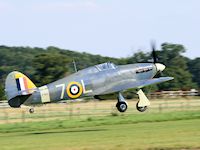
column 153, row 47
column 160, row 67
column 153, row 54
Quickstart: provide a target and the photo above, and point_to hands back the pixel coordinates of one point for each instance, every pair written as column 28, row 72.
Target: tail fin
column 18, row 88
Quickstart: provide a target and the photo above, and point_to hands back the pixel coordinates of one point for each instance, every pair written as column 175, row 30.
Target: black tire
column 141, row 109
column 122, row 106
column 31, row 110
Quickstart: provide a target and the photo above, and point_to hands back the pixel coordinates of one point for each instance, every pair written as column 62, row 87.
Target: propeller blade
column 154, row 52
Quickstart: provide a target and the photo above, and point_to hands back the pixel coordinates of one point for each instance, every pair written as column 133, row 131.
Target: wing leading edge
column 130, row 84
column 155, row 81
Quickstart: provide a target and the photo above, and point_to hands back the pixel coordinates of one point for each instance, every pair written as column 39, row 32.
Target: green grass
column 174, row 130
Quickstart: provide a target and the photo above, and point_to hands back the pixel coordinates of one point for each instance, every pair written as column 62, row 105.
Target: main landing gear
column 143, row 103
column 141, row 106
column 121, row 104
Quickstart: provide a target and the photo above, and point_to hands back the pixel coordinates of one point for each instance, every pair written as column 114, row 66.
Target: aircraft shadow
column 67, row 131
column 51, row 132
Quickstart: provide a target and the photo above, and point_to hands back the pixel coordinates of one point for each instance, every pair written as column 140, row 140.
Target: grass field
column 168, row 130
column 82, row 110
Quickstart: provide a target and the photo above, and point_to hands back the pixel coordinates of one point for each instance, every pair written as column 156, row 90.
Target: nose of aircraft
column 160, row 67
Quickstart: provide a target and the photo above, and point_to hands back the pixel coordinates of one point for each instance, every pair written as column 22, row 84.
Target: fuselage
column 95, row 80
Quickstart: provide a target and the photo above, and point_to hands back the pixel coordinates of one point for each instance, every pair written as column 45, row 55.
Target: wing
column 129, row 84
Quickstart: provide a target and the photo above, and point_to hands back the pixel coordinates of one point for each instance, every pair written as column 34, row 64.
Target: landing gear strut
column 143, row 103
column 121, row 104
column 31, row 110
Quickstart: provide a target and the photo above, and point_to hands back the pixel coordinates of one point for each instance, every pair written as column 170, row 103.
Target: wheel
column 141, row 109
column 31, row 110
column 122, row 106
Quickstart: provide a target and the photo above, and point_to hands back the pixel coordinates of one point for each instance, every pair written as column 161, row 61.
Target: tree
column 171, row 56
column 2, row 93
column 194, row 67
column 46, row 65
column 138, row 57
column 49, row 67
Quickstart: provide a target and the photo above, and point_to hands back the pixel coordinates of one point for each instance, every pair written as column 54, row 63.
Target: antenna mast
column 74, row 63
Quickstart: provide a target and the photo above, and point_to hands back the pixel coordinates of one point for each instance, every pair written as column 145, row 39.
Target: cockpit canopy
column 98, row 68
column 106, row 66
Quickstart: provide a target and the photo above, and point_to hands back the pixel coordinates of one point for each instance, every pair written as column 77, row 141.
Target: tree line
column 43, row 66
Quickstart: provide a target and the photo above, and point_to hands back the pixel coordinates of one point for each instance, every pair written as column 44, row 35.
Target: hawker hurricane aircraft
column 95, row 81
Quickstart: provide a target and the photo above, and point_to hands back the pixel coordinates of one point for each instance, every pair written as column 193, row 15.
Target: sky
column 115, row 28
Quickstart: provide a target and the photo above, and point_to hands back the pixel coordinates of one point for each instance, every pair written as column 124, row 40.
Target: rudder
column 18, row 88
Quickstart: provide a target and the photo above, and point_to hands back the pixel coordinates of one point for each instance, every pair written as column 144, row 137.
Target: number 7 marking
column 63, row 90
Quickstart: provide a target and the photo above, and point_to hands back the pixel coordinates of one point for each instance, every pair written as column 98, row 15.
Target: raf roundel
column 74, row 90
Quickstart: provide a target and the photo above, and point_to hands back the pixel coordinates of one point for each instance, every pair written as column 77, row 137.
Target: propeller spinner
column 160, row 67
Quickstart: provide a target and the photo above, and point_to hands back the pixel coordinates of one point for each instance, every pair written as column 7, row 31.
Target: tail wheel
column 122, row 106
column 31, row 110
column 141, row 109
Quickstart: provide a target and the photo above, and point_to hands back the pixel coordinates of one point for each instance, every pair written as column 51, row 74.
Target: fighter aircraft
column 94, row 81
